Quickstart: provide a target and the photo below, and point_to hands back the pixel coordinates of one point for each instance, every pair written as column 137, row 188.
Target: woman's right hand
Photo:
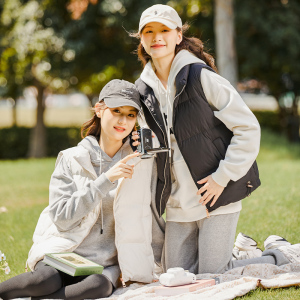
column 121, row 169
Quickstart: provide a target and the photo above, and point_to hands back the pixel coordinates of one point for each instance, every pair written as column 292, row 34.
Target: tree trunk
column 293, row 124
column 225, row 44
column 37, row 142
column 14, row 114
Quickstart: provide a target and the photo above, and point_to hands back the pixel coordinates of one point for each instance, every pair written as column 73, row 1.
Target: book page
column 75, row 259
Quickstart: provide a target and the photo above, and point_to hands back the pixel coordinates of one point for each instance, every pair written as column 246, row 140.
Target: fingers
column 215, row 200
column 206, row 198
column 135, row 136
column 136, row 143
column 203, row 180
column 203, row 189
column 127, row 170
column 129, row 157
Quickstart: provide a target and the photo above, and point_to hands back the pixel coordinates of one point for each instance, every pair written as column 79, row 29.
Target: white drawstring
column 167, row 124
column 101, row 201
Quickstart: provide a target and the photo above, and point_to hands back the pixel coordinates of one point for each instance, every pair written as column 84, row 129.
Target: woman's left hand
column 212, row 190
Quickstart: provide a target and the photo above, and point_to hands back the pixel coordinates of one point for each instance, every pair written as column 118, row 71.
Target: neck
column 109, row 146
column 163, row 67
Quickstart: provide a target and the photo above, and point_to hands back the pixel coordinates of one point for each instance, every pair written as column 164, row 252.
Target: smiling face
column 117, row 123
column 159, row 41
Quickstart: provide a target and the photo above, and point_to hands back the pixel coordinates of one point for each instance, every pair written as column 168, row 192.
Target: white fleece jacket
column 183, row 205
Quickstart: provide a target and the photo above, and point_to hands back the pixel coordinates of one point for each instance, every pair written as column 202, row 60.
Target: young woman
column 80, row 216
column 214, row 140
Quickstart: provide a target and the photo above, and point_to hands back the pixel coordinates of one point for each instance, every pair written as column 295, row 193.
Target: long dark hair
column 93, row 125
column 192, row 44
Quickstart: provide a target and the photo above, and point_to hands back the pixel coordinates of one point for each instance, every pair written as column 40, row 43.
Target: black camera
column 146, row 146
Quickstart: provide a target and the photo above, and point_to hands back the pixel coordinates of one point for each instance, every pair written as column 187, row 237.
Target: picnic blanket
column 233, row 283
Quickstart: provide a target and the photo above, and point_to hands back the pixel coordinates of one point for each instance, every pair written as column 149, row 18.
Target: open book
column 72, row 264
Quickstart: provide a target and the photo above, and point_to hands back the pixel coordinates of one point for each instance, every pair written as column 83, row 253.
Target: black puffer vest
column 202, row 138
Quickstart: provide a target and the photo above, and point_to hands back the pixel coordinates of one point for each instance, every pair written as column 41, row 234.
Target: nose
column 122, row 120
column 157, row 37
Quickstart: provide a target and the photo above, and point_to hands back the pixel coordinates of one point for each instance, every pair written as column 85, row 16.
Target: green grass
column 273, row 209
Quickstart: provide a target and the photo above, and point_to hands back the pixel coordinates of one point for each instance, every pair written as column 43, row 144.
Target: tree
column 268, row 50
column 225, row 40
column 32, row 54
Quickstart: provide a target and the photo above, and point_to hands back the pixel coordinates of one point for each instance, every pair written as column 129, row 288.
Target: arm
column 68, row 204
column 238, row 118
column 244, row 146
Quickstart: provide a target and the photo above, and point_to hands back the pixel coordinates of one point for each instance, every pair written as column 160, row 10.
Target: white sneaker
column 291, row 252
column 275, row 241
column 245, row 248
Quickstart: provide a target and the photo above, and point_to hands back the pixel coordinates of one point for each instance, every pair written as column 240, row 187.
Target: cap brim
column 117, row 102
column 168, row 23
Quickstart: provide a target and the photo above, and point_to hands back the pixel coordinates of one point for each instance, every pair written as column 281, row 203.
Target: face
column 117, row 123
column 159, row 41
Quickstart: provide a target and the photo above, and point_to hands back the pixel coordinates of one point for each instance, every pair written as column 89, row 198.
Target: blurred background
column 56, row 56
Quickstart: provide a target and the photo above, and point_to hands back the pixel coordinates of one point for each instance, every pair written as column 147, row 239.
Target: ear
column 98, row 111
column 179, row 38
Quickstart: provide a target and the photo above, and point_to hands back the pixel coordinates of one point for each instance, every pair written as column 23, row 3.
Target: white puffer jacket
column 133, row 219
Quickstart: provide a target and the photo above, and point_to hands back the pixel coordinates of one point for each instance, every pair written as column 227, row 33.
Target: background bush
column 14, row 140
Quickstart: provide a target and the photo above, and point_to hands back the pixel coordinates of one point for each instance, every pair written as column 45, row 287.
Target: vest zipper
column 166, row 159
column 174, row 105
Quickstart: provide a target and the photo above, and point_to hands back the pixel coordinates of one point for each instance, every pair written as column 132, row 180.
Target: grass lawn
column 273, row 209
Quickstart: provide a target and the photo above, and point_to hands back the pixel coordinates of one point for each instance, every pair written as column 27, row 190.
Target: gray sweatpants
column 205, row 246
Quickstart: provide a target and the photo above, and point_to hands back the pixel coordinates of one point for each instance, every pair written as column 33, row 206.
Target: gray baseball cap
column 118, row 93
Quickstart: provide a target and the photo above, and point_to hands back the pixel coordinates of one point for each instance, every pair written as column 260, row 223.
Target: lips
column 156, row 46
column 119, row 129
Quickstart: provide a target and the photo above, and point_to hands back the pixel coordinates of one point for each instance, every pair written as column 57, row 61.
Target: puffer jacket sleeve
column 68, row 205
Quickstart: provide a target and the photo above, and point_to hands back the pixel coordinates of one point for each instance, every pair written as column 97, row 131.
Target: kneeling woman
column 80, row 217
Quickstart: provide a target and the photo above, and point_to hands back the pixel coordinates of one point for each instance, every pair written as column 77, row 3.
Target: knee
column 102, row 286
column 45, row 281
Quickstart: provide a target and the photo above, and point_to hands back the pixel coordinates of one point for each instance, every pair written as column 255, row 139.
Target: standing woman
column 214, row 140
column 80, row 215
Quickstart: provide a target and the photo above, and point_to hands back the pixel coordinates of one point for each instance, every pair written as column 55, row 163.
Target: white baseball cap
column 164, row 14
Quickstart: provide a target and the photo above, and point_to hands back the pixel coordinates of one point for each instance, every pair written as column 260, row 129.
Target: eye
column 116, row 110
column 165, row 30
column 132, row 115
column 148, row 31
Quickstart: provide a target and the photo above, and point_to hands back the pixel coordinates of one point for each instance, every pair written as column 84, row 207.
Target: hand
column 121, row 169
column 212, row 190
column 135, row 136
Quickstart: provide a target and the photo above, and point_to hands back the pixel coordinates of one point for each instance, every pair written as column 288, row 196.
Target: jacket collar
column 180, row 82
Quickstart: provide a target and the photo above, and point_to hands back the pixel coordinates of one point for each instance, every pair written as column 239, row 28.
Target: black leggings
column 48, row 283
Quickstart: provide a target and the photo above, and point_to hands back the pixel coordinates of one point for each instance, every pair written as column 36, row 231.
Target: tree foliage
column 268, row 43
